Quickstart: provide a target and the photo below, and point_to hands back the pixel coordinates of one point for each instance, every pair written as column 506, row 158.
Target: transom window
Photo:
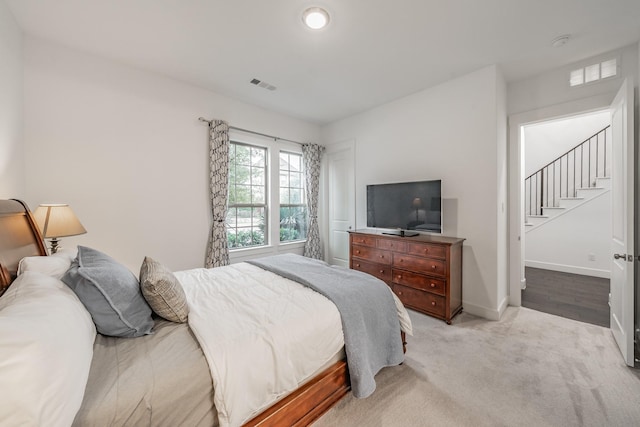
column 293, row 207
column 247, row 214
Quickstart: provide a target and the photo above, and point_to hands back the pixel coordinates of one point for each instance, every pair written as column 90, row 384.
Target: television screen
column 407, row 206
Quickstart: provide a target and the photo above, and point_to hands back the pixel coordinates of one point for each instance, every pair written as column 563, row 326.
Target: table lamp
column 55, row 221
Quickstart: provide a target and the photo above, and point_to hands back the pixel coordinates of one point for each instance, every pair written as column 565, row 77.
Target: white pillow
column 46, row 346
column 54, row 265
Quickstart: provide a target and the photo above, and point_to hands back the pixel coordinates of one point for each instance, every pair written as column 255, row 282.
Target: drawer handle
column 381, row 271
column 357, row 265
column 401, row 260
column 433, row 267
column 381, row 256
column 426, row 250
column 399, row 276
column 433, row 285
column 357, row 251
column 399, row 292
column 433, row 303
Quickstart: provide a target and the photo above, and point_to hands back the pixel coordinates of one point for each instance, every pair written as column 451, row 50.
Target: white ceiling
column 372, row 52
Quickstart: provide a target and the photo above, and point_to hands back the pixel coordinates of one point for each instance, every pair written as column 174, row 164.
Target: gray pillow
column 111, row 294
column 163, row 291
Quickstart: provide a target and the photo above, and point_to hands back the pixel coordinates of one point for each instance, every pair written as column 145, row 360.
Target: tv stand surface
column 401, row 233
column 425, row 272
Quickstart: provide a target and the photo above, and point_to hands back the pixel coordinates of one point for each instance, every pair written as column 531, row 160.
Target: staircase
column 569, row 181
column 567, row 204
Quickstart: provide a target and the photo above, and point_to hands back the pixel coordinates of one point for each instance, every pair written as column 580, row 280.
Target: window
column 593, row 73
column 293, row 208
column 247, row 214
column 255, row 187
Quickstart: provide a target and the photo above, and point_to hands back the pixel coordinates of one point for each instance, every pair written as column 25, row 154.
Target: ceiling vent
column 262, row 84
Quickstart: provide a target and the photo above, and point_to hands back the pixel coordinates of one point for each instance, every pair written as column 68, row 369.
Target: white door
column 622, row 268
column 340, row 201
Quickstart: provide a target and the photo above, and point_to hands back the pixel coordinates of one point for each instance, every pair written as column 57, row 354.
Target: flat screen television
column 405, row 206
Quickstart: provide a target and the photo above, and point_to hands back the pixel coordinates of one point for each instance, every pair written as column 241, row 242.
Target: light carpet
column 528, row 369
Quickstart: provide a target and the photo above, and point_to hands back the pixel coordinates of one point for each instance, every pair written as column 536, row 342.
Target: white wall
column 125, row 149
column 553, row 88
column 567, row 242
column 12, row 163
column 448, row 132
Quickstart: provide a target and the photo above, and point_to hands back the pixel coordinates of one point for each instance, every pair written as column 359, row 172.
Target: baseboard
column 593, row 272
column 487, row 313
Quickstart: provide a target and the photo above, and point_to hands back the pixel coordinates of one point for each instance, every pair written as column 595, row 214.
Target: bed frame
column 20, row 237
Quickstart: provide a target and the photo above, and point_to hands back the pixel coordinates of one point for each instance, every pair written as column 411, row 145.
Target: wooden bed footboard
column 309, row 402
column 312, row 400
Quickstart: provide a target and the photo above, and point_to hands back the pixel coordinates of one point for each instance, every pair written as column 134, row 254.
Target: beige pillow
column 163, row 291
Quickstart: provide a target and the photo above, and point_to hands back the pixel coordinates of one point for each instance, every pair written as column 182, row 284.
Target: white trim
column 584, row 271
column 516, row 177
column 487, row 313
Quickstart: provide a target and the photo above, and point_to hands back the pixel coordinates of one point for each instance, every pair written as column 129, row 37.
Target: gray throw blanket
column 369, row 318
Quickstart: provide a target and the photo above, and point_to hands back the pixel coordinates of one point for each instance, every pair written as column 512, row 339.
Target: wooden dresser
column 425, row 271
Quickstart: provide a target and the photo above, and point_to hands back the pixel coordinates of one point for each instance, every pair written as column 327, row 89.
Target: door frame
column 517, row 280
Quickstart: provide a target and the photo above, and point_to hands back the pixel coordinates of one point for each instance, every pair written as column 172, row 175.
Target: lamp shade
column 57, row 220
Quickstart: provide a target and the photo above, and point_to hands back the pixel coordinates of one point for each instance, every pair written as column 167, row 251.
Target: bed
column 164, row 378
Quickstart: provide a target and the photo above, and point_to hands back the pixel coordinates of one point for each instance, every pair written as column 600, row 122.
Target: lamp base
column 54, row 245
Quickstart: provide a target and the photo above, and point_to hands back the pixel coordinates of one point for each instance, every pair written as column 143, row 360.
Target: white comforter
column 262, row 334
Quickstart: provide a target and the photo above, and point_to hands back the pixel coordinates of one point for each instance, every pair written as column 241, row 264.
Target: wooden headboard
column 19, row 237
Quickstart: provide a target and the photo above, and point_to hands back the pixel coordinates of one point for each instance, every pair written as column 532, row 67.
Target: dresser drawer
column 420, row 300
column 424, row 249
column 392, row 245
column 371, row 254
column 382, row 272
column 419, row 281
column 426, row 265
column 359, row 239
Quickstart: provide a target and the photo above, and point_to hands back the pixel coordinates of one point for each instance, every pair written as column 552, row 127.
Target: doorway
column 567, row 229
column 622, row 289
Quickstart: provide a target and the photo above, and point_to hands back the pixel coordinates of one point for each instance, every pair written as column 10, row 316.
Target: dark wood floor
column 573, row 296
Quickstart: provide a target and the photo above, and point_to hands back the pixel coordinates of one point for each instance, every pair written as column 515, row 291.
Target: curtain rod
column 275, row 138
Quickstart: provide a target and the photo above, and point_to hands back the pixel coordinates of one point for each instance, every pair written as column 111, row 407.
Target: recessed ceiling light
column 315, row 18
column 561, row 40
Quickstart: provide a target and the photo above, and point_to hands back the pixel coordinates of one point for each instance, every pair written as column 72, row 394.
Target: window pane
column 284, row 196
column 243, row 194
column 577, row 77
column 296, row 179
column 284, row 179
column 243, row 155
column 257, row 176
column 242, row 175
column 284, row 161
column 246, row 225
column 295, row 162
column 293, row 223
column 257, row 195
column 258, row 156
column 609, row 68
column 592, row 73
column 295, row 195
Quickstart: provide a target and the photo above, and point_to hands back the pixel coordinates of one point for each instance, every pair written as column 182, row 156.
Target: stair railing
column 562, row 177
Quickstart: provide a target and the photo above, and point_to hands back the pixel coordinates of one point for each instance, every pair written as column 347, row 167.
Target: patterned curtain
column 217, row 248
column 311, row 156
